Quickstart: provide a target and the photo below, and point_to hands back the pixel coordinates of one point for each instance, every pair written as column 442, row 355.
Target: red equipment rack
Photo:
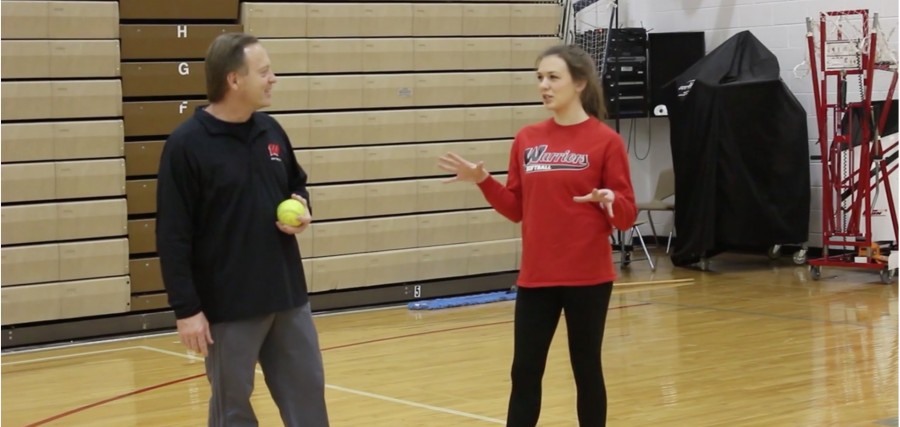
column 850, row 174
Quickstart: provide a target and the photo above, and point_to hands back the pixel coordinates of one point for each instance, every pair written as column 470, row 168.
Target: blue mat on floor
column 437, row 304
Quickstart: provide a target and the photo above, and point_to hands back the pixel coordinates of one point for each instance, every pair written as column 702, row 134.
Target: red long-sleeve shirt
column 564, row 242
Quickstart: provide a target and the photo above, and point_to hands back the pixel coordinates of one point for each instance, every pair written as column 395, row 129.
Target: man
column 232, row 272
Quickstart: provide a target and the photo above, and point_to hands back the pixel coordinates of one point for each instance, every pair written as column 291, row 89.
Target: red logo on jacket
column 275, row 152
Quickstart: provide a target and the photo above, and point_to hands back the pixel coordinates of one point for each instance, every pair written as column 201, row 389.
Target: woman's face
column 558, row 90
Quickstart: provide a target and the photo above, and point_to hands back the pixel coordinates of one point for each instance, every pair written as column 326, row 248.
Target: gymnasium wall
column 64, row 236
column 781, row 26
column 370, row 93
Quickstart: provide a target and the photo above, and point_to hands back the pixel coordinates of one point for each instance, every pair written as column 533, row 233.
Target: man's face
column 254, row 82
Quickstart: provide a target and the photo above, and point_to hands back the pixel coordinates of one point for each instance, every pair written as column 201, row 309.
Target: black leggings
column 536, row 318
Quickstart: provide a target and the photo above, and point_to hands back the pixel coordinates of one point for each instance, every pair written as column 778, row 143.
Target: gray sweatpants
column 286, row 345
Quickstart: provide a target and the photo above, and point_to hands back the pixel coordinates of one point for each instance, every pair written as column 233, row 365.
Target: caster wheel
column 774, row 252
column 888, row 275
column 626, row 259
column 800, row 257
column 815, row 272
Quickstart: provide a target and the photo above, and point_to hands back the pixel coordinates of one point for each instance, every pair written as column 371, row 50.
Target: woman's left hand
column 604, row 196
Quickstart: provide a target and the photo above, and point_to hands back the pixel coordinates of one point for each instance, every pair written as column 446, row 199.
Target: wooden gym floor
column 750, row 343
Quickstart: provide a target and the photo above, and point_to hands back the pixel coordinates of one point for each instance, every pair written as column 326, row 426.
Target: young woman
column 569, row 184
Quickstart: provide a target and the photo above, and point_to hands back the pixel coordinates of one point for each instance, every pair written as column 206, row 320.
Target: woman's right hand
column 462, row 168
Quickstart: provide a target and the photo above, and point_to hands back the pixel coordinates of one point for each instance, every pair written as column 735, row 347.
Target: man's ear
column 232, row 78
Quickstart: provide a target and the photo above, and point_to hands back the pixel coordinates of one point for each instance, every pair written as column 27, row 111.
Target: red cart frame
column 848, row 171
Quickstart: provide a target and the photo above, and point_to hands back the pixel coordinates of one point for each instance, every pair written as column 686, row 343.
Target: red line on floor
column 458, row 328
column 111, row 399
column 353, row 344
column 415, row 334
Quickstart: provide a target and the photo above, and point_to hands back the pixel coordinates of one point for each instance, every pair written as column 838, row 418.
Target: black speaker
column 670, row 54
